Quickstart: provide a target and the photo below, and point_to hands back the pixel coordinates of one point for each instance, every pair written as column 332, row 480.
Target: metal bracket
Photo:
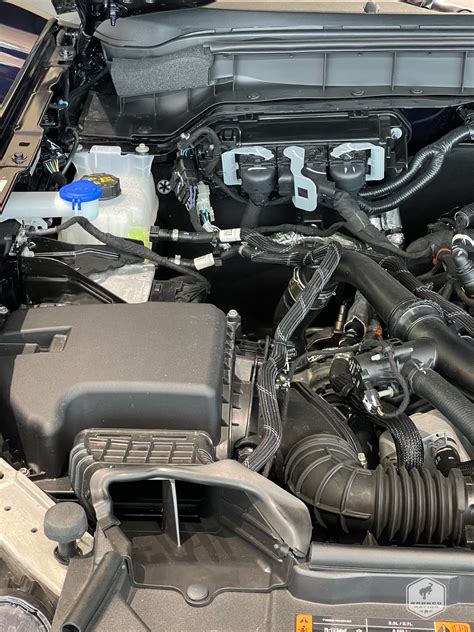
column 376, row 161
column 23, row 544
column 306, row 192
column 230, row 166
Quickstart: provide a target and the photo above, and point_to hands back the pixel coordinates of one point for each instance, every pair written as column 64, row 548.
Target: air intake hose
column 444, row 396
column 395, row 505
column 408, row 317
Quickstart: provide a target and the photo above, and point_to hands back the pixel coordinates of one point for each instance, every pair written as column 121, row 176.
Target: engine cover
column 65, row 369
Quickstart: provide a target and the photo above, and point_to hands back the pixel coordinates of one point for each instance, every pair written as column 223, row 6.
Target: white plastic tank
column 78, row 198
column 134, row 210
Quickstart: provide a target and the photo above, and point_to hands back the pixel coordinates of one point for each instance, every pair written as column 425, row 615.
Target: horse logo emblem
column 426, row 597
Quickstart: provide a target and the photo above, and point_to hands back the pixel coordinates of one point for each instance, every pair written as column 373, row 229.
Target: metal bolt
column 164, row 187
column 65, row 53
column 358, row 92
column 282, row 550
column 254, row 97
column 244, row 453
column 233, row 313
column 416, row 91
column 396, row 133
column 18, row 157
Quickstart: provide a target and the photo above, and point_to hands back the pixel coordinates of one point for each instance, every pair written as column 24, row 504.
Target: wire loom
column 328, row 258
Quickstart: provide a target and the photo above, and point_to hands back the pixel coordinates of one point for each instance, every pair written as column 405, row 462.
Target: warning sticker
column 304, row 623
column 311, row 623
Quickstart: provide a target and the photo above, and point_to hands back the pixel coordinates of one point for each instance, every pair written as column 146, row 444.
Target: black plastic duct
column 408, row 317
column 395, row 505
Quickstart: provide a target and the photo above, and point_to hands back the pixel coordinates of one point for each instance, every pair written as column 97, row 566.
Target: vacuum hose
column 395, row 505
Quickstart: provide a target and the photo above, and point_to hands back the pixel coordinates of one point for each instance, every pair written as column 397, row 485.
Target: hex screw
column 18, row 157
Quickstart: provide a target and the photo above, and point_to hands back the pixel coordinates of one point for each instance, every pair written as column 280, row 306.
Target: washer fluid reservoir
column 128, row 205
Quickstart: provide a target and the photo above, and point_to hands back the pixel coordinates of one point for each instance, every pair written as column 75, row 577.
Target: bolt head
column 142, row 149
column 65, row 53
column 18, row 157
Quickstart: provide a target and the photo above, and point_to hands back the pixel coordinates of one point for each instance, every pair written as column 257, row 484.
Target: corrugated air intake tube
column 420, row 506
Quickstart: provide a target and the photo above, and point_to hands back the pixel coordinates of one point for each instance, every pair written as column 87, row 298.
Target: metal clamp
column 230, row 166
column 376, row 161
column 306, row 192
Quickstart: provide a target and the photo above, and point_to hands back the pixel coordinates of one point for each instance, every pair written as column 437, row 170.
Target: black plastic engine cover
column 65, row 369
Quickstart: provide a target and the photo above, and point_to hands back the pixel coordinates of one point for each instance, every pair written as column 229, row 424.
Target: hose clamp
column 469, row 123
column 408, row 314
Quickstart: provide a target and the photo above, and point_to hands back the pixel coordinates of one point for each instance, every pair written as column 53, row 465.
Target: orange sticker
column 450, row 626
column 304, row 623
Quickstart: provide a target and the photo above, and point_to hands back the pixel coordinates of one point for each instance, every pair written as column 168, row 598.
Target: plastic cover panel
column 155, row 366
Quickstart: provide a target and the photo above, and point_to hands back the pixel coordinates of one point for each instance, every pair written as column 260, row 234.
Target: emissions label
column 311, row 623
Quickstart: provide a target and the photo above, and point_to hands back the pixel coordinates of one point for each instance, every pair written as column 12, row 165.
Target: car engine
column 237, row 326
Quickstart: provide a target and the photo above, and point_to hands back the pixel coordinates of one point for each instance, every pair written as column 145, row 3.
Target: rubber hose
column 396, row 506
column 72, row 152
column 359, row 225
column 389, row 187
column 122, row 245
column 454, row 313
column 444, row 145
column 343, row 377
column 437, row 152
column 408, row 317
column 251, row 215
column 394, row 201
column 445, row 397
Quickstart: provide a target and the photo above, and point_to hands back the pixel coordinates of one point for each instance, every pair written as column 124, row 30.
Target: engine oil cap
column 79, row 192
column 109, row 184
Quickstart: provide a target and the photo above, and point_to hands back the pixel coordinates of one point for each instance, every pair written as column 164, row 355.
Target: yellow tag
column 304, row 623
column 451, row 626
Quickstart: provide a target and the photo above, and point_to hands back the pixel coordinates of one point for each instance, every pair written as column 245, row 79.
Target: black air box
column 65, row 369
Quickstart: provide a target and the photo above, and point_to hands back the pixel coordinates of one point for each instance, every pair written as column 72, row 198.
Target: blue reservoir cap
column 80, row 191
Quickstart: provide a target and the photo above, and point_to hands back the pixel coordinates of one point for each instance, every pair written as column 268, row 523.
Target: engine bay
column 237, row 339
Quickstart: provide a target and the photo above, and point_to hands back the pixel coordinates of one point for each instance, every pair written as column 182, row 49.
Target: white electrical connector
column 205, row 210
column 203, row 202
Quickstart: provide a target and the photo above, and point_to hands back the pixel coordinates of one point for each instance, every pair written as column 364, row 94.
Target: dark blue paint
column 16, row 26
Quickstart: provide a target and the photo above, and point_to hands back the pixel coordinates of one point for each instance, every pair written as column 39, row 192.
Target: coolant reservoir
column 128, row 205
